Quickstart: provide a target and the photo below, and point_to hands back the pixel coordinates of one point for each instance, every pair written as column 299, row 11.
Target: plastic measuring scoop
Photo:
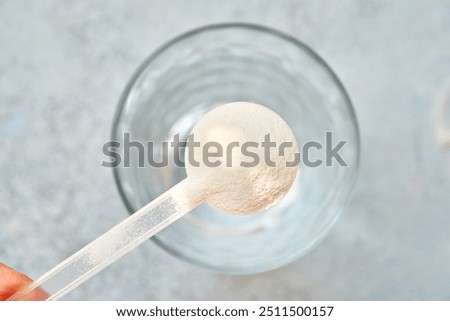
column 233, row 189
column 112, row 245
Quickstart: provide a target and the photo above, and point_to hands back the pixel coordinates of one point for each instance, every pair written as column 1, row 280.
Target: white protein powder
column 231, row 187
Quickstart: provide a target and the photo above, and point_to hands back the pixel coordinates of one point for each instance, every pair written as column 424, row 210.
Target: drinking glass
column 215, row 65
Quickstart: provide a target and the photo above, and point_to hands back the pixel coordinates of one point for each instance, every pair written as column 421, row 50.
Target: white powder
column 237, row 189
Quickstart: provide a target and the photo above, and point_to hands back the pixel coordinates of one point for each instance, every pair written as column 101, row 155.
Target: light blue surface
column 63, row 66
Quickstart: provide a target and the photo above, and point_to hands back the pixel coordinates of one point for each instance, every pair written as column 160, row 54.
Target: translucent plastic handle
column 110, row 246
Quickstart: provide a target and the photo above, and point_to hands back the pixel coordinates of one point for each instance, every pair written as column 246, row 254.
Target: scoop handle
column 110, row 246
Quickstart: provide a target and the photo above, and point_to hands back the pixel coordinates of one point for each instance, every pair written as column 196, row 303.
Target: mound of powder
column 248, row 176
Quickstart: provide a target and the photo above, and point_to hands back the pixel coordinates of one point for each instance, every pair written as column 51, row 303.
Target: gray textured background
column 64, row 64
